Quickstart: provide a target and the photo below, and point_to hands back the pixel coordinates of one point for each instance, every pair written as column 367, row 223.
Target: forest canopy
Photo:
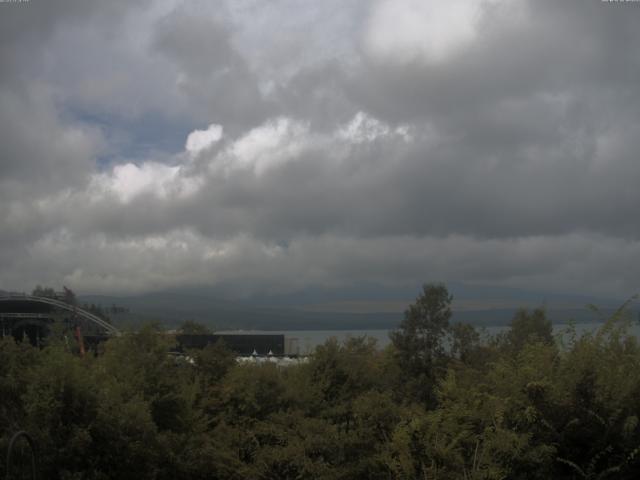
column 441, row 401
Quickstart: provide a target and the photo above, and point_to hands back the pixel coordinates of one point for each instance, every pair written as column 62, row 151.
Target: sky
column 270, row 146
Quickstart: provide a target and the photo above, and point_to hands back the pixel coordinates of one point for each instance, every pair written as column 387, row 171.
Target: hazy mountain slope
column 356, row 308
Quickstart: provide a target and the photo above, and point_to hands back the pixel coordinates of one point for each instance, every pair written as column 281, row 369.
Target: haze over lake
column 308, row 340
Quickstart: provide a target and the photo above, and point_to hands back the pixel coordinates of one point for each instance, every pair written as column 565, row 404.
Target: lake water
column 307, row 340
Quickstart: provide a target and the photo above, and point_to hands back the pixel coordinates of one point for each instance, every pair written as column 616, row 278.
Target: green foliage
column 517, row 407
column 214, row 361
column 529, row 327
column 41, row 291
column 465, row 343
column 191, row 327
column 418, row 341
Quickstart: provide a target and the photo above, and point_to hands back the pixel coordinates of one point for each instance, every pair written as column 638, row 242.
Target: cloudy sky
column 272, row 145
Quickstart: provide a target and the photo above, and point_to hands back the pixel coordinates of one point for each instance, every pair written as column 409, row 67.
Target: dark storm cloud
column 535, row 118
column 319, row 94
column 560, row 47
column 26, row 29
column 212, row 72
column 366, row 146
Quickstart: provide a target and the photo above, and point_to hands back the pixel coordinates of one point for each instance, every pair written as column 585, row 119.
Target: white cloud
column 364, row 128
column 200, row 140
column 269, row 145
column 402, row 31
column 128, row 181
column 282, row 140
column 406, row 29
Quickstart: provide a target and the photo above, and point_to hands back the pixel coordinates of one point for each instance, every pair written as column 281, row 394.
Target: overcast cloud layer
column 267, row 146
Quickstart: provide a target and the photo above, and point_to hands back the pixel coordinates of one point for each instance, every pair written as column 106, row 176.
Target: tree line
column 440, row 402
column 67, row 295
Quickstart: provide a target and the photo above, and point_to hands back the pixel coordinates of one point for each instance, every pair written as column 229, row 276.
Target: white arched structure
column 110, row 329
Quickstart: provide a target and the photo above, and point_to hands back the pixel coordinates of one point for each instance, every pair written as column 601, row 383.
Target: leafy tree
column 252, row 393
column 69, row 296
column 518, row 408
column 214, row 360
column 465, row 342
column 41, row 291
column 419, row 340
column 527, row 327
column 191, row 327
column 341, row 372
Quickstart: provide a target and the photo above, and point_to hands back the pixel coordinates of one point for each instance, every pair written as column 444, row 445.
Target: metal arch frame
column 65, row 306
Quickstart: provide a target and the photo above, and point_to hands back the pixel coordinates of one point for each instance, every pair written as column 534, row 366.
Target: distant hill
column 363, row 307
